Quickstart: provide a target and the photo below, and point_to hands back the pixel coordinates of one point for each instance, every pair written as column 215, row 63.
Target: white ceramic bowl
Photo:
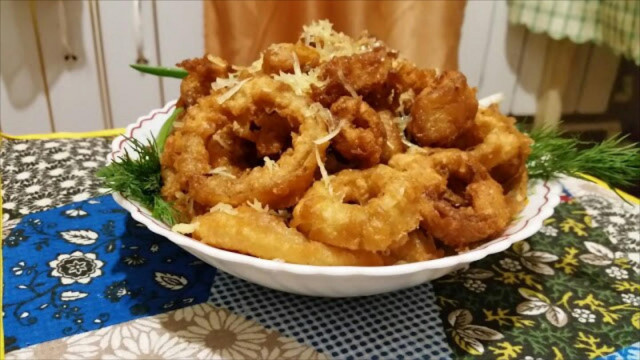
column 337, row 281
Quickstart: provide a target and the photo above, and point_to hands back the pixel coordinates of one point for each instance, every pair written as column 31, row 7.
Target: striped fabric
column 615, row 23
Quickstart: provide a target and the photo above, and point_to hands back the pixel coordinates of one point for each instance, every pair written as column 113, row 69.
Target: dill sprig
column 612, row 161
column 138, row 178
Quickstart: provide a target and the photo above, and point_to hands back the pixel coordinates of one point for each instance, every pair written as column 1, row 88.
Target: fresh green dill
column 138, row 178
column 612, row 161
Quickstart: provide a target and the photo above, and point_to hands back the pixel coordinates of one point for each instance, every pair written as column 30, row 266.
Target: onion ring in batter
column 362, row 137
column 266, row 236
column 279, row 186
column 369, row 210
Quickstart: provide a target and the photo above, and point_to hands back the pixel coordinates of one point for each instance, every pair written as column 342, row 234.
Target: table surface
column 83, row 280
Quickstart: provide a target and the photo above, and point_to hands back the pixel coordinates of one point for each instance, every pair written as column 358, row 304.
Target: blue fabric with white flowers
column 87, row 265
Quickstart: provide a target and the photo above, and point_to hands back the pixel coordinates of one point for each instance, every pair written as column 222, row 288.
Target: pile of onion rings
column 337, row 151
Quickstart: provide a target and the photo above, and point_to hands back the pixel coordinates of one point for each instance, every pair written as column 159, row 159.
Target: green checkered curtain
column 615, row 23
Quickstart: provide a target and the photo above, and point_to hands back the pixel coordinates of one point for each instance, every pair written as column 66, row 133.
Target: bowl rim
column 552, row 189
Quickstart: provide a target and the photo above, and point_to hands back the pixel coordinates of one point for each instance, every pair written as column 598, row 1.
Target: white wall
column 40, row 92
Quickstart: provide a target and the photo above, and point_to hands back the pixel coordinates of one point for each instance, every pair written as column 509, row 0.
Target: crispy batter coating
column 368, row 209
column 263, row 235
column 279, row 58
column 362, row 137
column 414, row 164
column 443, row 110
column 356, row 74
column 202, row 72
column 471, row 208
column 501, row 148
column 393, row 144
column 278, row 186
column 418, row 246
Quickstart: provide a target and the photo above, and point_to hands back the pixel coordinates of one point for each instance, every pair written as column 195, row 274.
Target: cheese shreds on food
column 256, row 65
column 296, row 64
column 216, row 60
column 402, row 122
column 269, row 164
column 184, row 228
column 406, row 97
column 216, row 137
column 330, row 43
column 323, row 171
column 178, row 124
column 330, row 135
column 222, row 171
column 227, row 95
column 490, row 100
column 225, row 208
column 301, row 83
column 347, row 86
column 257, row 206
column 222, row 83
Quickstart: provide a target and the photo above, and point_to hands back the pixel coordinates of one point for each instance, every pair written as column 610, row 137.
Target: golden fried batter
column 279, row 58
column 202, row 72
column 248, row 231
column 362, row 137
column 443, row 110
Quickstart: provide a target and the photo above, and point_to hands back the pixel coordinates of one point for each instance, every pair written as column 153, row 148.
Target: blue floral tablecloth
column 83, row 280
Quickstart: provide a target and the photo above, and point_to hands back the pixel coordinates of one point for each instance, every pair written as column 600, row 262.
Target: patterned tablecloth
column 83, row 280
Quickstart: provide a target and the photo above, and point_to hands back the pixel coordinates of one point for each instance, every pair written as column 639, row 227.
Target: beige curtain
column 426, row 32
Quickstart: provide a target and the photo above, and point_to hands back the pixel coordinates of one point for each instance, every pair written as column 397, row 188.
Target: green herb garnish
column 138, row 178
column 611, row 161
column 177, row 73
column 166, row 129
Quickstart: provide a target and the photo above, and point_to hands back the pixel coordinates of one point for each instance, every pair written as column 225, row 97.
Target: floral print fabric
column 88, row 265
column 572, row 291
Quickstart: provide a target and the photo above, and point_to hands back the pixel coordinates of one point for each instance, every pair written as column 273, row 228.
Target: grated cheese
column 227, row 95
column 347, row 86
column 216, row 137
column 330, row 43
column 406, row 97
column 222, row 171
column 323, row 171
column 330, row 135
column 296, row 64
column 222, row 83
column 490, row 100
column 402, row 122
column 184, row 228
column 225, row 208
column 257, row 206
column 301, row 82
column 270, row 164
column 178, row 124
column 216, row 60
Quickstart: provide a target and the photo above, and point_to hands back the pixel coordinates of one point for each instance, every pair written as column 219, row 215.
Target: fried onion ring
column 197, row 84
column 419, row 246
column 471, row 208
column 443, row 110
column 362, row 137
column 368, row 210
column 355, row 74
column 279, row 186
column 266, row 236
column 393, row 144
column 279, row 58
